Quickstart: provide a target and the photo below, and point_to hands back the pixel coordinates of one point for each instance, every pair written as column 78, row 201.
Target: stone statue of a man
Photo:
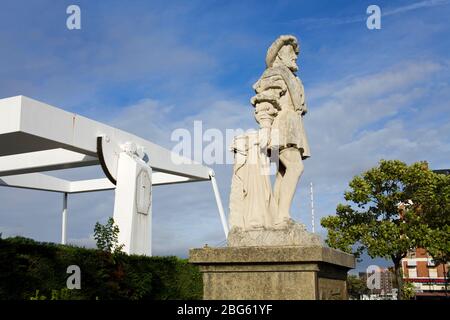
column 259, row 215
column 279, row 109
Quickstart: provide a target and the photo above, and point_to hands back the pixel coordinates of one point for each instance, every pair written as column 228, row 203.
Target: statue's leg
column 292, row 161
column 279, row 177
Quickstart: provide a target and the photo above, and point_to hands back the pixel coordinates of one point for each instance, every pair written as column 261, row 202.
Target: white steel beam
column 161, row 178
column 64, row 220
column 90, row 185
column 39, row 181
column 26, row 120
column 36, row 181
column 219, row 204
column 158, row 178
column 45, row 160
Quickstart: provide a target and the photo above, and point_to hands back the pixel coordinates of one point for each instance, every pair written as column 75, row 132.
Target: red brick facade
column 420, row 269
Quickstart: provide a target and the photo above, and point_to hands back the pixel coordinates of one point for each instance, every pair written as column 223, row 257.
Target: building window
column 412, row 263
column 433, row 272
column 412, row 272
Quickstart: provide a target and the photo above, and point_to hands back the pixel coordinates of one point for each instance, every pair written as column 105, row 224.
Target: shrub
column 33, row 270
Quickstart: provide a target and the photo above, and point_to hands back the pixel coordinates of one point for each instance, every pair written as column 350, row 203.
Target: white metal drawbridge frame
column 36, row 137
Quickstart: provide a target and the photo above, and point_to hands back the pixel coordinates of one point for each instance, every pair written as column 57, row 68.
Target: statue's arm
column 266, row 101
column 303, row 107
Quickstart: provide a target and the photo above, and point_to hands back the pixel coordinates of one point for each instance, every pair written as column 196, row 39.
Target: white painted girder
column 39, row 181
column 29, row 125
column 36, row 137
column 45, row 160
column 36, row 181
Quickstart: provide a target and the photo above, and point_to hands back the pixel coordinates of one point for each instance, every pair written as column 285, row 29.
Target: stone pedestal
column 273, row 272
column 293, row 234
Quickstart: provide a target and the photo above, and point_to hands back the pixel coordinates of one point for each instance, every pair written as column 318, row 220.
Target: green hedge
column 27, row 266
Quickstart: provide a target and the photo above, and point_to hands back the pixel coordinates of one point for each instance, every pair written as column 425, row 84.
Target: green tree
column 371, row 220
column 436, row 211
column 437, row 214
column 107, row 237
column 408, row 291
column 356, row 287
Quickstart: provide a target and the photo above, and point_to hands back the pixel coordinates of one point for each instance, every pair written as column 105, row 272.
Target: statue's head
column 283, row 51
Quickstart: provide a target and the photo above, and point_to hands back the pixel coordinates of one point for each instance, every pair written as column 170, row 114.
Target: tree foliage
column 371, row 221
column 436, row 212
column 356, row 287
column 107, row 237
column 408, row 291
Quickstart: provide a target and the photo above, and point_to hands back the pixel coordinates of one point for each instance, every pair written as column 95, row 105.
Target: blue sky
column 150, row 67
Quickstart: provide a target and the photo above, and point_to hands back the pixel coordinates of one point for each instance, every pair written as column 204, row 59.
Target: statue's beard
column 290, row 64
column 293, row 67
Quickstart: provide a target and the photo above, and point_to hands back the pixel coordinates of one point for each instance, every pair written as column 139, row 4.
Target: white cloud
column 416, row 5
column 328, row 21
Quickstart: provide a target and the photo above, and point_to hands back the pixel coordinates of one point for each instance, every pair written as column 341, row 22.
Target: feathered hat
column 278, row 44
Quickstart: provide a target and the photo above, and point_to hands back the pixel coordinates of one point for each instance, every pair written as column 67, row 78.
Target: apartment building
column 428, row 278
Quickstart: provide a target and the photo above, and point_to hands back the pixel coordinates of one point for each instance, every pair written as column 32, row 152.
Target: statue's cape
column 293, row 84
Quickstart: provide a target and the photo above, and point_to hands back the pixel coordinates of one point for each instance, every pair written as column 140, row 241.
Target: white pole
column 64, row 220
column 219, row 203
column 312, row 208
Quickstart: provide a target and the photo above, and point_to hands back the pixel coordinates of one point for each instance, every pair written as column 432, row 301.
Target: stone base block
column 273, row 273
column 294, row 234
